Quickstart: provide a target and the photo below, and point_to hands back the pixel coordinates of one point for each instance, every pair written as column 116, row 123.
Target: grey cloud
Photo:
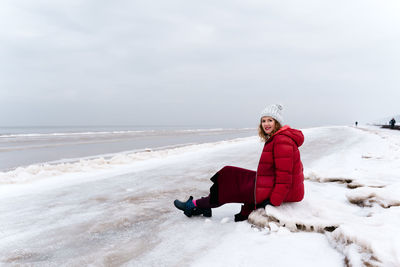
column 128, row 62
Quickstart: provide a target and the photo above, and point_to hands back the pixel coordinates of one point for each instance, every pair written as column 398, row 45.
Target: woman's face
column 268, row 124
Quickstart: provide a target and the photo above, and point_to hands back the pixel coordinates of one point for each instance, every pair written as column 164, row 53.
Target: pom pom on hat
column 273, row 111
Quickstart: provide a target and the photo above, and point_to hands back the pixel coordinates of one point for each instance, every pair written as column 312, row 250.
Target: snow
column 119, row 212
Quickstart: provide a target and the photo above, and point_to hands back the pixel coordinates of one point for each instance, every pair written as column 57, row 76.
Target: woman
column 279, row 177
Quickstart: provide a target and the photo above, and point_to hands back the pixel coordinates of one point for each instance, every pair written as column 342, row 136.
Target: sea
column 25, row 146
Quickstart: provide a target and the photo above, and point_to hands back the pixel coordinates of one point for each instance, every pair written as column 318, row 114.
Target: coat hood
column 296, row 135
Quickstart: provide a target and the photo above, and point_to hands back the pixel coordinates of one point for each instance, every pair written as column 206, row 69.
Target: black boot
column 244, row 213
column 240, row 217
column 190, row 209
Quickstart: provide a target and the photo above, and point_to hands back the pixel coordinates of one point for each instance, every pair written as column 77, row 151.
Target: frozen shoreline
column 119, row 162
column 51, row 146
column 122, row 213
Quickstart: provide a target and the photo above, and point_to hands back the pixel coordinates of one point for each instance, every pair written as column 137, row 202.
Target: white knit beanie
column 274, row 111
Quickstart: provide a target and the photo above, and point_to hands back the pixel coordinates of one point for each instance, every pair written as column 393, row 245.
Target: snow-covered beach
column 118, row 211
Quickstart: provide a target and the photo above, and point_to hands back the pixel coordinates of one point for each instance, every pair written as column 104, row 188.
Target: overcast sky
column 215, row 63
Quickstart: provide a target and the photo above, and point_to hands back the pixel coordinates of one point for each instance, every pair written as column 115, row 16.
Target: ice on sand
column 107, row 214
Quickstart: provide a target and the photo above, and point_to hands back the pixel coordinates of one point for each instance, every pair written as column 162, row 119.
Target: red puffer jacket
column 280, row 171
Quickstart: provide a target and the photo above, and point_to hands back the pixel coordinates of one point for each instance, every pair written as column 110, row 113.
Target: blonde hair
column 264, row 137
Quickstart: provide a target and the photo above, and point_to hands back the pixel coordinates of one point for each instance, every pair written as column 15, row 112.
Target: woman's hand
column 263, row 204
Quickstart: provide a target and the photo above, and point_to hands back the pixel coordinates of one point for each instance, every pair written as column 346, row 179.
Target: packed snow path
column 119, row 211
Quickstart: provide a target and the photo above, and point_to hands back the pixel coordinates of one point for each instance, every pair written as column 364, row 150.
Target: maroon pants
column 231, row 185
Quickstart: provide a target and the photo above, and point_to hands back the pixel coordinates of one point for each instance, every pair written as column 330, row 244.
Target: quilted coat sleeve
column 283, row 161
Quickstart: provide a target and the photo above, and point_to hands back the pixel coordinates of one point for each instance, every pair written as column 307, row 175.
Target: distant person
column 356, row 123
column 392, row 122
column 279, row 177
